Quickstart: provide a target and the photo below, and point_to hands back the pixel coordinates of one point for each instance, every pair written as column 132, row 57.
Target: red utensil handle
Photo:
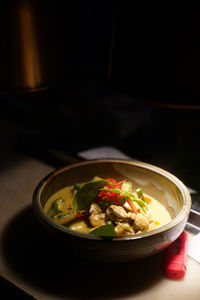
column 176, row 254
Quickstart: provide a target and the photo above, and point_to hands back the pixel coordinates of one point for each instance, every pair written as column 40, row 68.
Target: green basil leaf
column 107, row 230
column 86, row 194
column 104, row 204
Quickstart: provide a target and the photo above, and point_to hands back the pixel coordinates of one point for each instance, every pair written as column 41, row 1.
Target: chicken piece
column 124, row 229
column 97, row 220
column 131, row 216
column 95, row 209
column 116, row 213
column 141, row 223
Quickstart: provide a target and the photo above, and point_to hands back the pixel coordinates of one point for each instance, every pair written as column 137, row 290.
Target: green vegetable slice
column 140, row 202
column 107, row 230
column 114, row 190
column 140, row 194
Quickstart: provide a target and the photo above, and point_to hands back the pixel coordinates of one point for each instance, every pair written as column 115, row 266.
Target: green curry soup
column 105, row 207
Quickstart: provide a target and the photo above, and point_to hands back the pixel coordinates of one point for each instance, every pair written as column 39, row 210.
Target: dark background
column 156, row 53
column 128, row 77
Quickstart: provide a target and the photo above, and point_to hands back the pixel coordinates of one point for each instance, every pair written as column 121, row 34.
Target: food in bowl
column 106, row 208
column 162, row 186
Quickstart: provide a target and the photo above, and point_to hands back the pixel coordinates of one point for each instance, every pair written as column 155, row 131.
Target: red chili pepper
column 132, row 205
column 80, row 215
column 111, row 196
column 114, row 182
column 119, row 184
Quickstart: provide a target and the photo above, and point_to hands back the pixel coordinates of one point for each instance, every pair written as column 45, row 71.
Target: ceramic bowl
column 156, row 182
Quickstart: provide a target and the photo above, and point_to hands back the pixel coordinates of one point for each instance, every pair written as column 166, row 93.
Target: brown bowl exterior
column 162, row 185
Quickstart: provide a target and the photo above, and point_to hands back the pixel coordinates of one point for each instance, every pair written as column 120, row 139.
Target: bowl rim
column 184, row 212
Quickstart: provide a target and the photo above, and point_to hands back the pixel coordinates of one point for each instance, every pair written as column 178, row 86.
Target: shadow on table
column 40, row 260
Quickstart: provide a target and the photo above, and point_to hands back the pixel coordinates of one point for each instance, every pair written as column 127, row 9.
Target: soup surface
column 106, row 207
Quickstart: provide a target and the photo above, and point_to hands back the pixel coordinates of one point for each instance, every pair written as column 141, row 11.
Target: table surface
column 41, row 266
